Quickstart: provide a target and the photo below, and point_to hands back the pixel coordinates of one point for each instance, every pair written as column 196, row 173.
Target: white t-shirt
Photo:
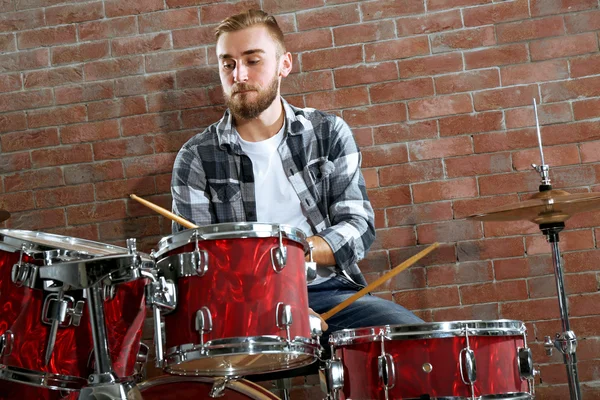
column 276, row 199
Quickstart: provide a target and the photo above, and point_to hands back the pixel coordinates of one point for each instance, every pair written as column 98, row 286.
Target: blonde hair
column 251, row 18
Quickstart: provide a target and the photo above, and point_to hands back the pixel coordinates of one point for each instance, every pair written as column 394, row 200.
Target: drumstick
column 378, row 282
column 165, row 213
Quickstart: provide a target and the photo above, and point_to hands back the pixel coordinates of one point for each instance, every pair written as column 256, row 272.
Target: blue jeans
column 368, row 310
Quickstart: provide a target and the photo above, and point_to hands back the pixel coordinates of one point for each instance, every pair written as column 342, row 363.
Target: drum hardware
column 140, row 361
column 284, row 318
column 109, row 292
column 332, row 381
column 385, row 364
column 315, row 326
column 219, row 385
column 24, row 273
column 203, row 323
column 56, row 309
column 279, row 255
column 311, row 265
column 184, row 264
column 6, row 343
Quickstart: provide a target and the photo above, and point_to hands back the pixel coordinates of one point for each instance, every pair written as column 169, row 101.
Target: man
column 269, row 161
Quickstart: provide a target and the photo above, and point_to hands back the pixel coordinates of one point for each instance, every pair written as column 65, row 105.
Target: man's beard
column 242, row 108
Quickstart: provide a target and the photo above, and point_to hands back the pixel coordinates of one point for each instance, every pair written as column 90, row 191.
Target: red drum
column 178, row 388
column 242, row 300
column 26, row 303
column 457, row 360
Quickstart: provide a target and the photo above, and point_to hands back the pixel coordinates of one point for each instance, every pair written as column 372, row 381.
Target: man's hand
column 324, row 325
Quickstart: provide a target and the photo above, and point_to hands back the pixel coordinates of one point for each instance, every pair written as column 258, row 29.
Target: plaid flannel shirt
column 213, row 181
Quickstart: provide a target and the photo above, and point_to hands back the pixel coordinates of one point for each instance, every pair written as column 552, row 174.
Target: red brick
column 136, row 209
column 467, row 272
column 141, row 44
column 331, row 58
column 396, row 237
column 546, row 286
column 500, row 55
column 116, row 108
column 8, row 43
column 411, row 279
column 168, row 20
column 590, row 152
column 167, row 101
column 109, row 28
column 14, row 162
column 582, row 305
column 96, row 172
column 449, row 231
column 175, row 60
column 583, row 22
column 53, row 77
column 585, row 220
column 464, row 208
column 10, row 123
column 467, row 81
column 64, row 196
column 46, row 37
column 502, row 228
column 504, row 98
column 496, row 13
column 578, row 132
column 476, row 123
column 553, row 155
column 508, row 183
column 149, row 123
column 545, row 7
column 204, row 76
column 171, row 141
column 431, row 65
column 200, row 118
column 420, row 213
column 581, row 261
column 379, row 9
column 375, row 261
column 429, row 23
column 90, row 132
column 96, row 212
column 79, row 53
column 411, row 173
column 523, row 267
column 305, row 41
column 578, row 175
column 35, row 179
column 56, row 116
column 489, row 249
column 138, row 227
column 440, row 148
column 376, row 115
column 463, row 39
column 123, row 188
column 62, row 155
column 121, row 148
column 534, row 72
column 585, row 65
column 384, row 155
column 363, row 33
column 118, row 8
column 444, row 254
column 530, row 29
column 430, row 298
column 569, row 240
column 14, row 202
column 144, row 84
column 328, row 17
column 23, row 60
column 444, row 190
column 440, row 106
column 389, row 196
column 29, row 140
column 547, row 114
column 21, row 20
column 281, row 6
column 110, row 69
column 71, row 13
column 480, row 164
column 6, row 6
column 501, row 141
column 586, row 109
column 306, row 82
column 193, row 37
column 401, row 90
column 395, row 49
column 465, row 313
column 215, row 13
column 37, row 220
column 405, row 132
column 83, row 93
column 564, row 46
column 494, row 292
column 149, row 165
column 337, row 99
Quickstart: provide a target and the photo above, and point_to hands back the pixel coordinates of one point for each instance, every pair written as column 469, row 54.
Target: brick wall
column 96, row 98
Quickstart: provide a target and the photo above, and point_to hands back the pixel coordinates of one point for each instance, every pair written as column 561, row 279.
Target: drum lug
column 279, row 255
column 525, row 363
column 387, row 371
column 468, row 366
column 311, row 266
column 334, row 378
column 24, row 274
column 284, row 318
column 109, row 292
column 203, row 323
column 219, row 386
column 6, row 343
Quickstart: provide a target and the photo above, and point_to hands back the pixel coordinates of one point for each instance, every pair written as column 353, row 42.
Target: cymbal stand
column 565, row 342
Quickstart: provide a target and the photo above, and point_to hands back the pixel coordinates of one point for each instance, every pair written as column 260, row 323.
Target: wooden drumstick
column 379, row 281
column 165, row 213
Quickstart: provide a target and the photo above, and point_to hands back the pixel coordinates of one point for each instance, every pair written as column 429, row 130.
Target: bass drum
column 184, row 387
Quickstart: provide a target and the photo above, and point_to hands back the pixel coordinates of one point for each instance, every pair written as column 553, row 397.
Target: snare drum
column 28, row 304
column 457, row 360
column 179, row 387
column 243, row 302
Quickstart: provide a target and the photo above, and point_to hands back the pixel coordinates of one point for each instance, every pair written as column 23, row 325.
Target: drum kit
column 230, row 300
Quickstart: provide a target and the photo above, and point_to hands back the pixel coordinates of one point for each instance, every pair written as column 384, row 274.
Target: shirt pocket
column 224, row 192
column 316, row 175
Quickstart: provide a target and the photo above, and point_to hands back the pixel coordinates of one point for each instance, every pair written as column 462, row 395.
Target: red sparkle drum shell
column 242, row 291
column 26, row 336
column 179, row 388
column 426, row 360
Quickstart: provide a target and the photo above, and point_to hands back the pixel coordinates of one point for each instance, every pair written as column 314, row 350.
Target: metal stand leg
column 284, row 385
column 565, row 342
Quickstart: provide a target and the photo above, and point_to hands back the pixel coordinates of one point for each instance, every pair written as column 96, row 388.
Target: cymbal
column 4, row 215
column 545, row 207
